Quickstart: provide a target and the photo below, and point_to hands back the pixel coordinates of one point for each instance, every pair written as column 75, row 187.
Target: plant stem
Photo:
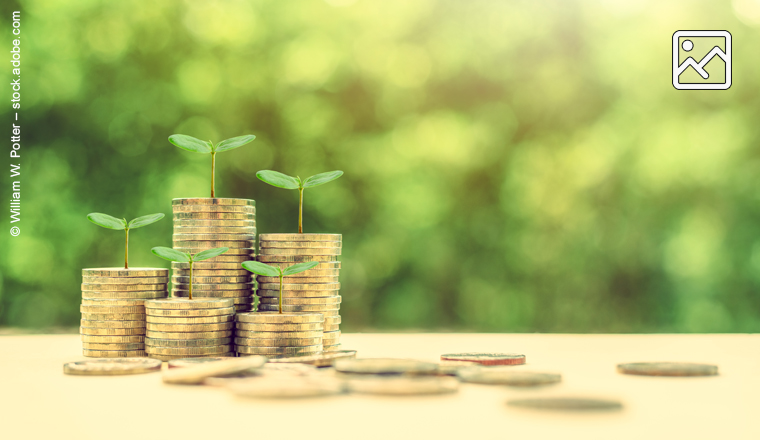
column 213, row 166
column 126, row 249
column 300, row 212
column 190, row 294
column 280, row 291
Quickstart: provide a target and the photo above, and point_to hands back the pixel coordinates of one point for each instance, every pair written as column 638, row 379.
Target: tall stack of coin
column 206, row 223
column 315, row 290
column 182, row 327
column 113, row 311
column 277, row 335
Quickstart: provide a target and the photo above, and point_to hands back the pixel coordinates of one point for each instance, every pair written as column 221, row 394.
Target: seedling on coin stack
column 113, row 309
column 182, row 257
column 315, row 290
column 270, row 271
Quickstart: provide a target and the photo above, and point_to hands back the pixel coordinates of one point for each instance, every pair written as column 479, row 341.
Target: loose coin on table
column 287, row 387
column 112, row 367
column 195, row 375
column 320, row 360
column 384, row 366
column 567, row 404
column 403, row 385
column 507, row 376
column 668, row 369
column 486, row 358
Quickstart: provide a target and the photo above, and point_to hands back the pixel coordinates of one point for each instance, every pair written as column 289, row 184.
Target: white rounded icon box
column 698, row 65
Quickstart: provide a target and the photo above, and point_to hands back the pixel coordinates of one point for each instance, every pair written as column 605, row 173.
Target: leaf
column 261, row 269
column 278, row 179
column 190, row 143
column 106, row 221
column 145, row 220
column 209, row 253
column 233, row 143
column 171, row 254
column 300, row 267
column 321, row 179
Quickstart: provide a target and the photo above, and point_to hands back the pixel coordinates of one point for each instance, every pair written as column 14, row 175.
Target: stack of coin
column 206, row 223
column 315, row 290
column 181, row 328
column 279, row 335
column 113, row 311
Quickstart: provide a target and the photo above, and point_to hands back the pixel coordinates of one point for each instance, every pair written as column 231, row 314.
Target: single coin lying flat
column 112, row 367
column 195, row 375
column 384, row 366
column 507, row 376
column 486, row 358
column 668, row 369
column 191, row 362
column 451, row 368
column 324, row 359
column 287, row 387
column 567, row 404
column 403, row 385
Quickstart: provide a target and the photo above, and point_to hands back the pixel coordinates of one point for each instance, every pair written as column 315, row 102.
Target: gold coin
column 258, row 342
column 299, row 244
column 214, row 215
column 113, row 339
column 113, row 353
column 108, row 367
column 302, row 280
column 112, row 346
column 301, row 237
column 332, row 266
column 209, row 266
column 192, row 304
column 306, row 252
column 265, row 351
column 180, row 328
column 269, row 293
column 213, row 273
column 385, row 366
column 112, row 309
column 113, row 316
column 199, row 320
column 108, row 302
column 224, row 258
column 201, row 312
column 227, row 231
column 208, row 244
column 188, row 335
column 94, row 331
column 220, row 286
column 331, row 327
column 112, row 324
column 213, row 293
column 328, row 348
column 302, row 301
column 315, row 327
column 506, row 375
column 180, row 237
column 243, row 308
column 188, row 350
column 324, row 359
column 276, row 286
column 124, row 280
column 162, row 357
column 201, row 372
column 331, row 335
column 186, row 342
column 276, row 334
column 236, row 251
column 197, row 223
column 147, row 294
column 299, row 308
column 332, row 320
column 295, row 258
column 280, row 318
column 121, row 272
column 122, row 287
column 211, row 280
column 214, row 208
column 403, row 385
column 213, row 201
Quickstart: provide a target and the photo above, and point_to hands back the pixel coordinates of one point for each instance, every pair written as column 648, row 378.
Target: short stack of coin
column 181, row 328
column 113, row 311
column 278, row 335
column 207, row 223
column 315, row 290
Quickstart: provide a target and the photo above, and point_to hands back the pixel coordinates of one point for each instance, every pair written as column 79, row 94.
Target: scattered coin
column 668, row 369
column 290, row 387
column 384, row 366
column 112, row 367
column 196, row 374
column 192, row 362
column 487, row 358
column 506, row 376
column 567, row 404
column 403, row 385
column 319, row 360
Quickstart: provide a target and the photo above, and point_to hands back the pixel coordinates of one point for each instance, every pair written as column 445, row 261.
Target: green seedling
column 289, row 182
column 109, row 222
column 196, row 145
column 181, row 257
column 271, row 271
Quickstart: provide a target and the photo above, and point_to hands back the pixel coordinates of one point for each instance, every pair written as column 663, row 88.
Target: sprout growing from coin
column 280, row 180
column 119, row 224
column 271, row 271
column 181, row 257
column 196, row 145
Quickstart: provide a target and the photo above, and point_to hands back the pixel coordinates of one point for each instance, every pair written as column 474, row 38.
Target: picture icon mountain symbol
column 699, row 67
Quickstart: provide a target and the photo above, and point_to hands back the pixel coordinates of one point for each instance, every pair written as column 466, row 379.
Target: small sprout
column 288, row 182
column 271, row 271
column 109, row 222
column 196, row 145
column 181, row 257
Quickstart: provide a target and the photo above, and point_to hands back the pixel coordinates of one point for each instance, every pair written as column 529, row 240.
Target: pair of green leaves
column 281, row 180
column 271, row 271
column 196, row 145
column 120, row 224
column 181, row 257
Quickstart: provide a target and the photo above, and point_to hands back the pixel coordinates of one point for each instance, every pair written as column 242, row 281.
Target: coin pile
column 314, row 290
column 277, row 335
column 207, row 223
column 181, row 328
column 113, row 311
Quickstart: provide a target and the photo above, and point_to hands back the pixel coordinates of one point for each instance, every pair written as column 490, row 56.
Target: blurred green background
column 511, row 166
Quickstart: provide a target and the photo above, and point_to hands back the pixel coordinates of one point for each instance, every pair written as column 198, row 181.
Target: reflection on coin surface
column 404, row 385
column 567, row 404
column 668, row 369
column 196, row 374
column 112, row 367
column 287, row 387
column 191, row 362
column 507, row 376
column 486, row 358
column 319, row 360
column 384, row 366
